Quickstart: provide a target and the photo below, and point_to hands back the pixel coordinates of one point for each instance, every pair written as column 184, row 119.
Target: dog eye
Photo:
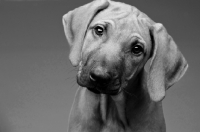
column 99, row 30
column 137, row 49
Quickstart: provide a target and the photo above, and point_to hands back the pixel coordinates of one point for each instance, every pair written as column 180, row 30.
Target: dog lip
column 113, row 92
column 94, row 90
column 108, row 92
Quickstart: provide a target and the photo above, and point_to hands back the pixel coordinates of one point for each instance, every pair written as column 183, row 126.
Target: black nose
column 99, row 76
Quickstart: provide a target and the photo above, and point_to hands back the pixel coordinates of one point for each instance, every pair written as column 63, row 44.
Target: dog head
column 111, row 42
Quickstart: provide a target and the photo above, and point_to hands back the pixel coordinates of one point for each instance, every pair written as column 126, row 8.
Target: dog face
column 112, row 41
column 114, row 50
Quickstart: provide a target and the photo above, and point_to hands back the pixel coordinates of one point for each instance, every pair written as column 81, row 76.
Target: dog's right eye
column 99, row 30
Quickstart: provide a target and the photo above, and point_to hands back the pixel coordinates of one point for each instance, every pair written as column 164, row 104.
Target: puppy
column 110, row 43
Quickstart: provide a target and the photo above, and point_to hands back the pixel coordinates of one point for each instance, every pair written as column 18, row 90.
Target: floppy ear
column 167, row 65
column 75, row 26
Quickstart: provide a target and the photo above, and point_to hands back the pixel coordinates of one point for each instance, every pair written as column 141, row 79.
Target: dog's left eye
column 137, row 49
column 99, row 30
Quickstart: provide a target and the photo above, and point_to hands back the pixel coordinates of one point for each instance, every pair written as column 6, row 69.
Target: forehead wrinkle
column 104, row 21
column 115, row 10
column 125, row 28
column 144, row 30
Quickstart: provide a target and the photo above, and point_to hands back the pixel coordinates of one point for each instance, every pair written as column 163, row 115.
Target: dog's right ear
column 76, row 23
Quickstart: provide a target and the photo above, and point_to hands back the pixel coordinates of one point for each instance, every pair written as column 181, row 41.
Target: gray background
column 37, row 82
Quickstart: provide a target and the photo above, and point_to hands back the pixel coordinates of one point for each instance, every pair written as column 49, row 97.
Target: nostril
column 92, row 77
column 100, row 78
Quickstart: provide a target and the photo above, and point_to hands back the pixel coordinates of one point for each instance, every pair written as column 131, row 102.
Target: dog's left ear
column 75, row 26
column 167, row 65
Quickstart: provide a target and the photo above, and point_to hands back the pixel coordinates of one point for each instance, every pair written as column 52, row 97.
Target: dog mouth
column 98, row 90
column 110, row 88
column 101, row 89
column 100, row 80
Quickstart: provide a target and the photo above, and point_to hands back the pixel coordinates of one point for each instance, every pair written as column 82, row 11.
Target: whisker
column 73, row 69
column 71, row 77
column 74, row 83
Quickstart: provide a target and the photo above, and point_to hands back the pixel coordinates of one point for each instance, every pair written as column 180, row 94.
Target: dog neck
column 132, row 107
column 131, row 110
